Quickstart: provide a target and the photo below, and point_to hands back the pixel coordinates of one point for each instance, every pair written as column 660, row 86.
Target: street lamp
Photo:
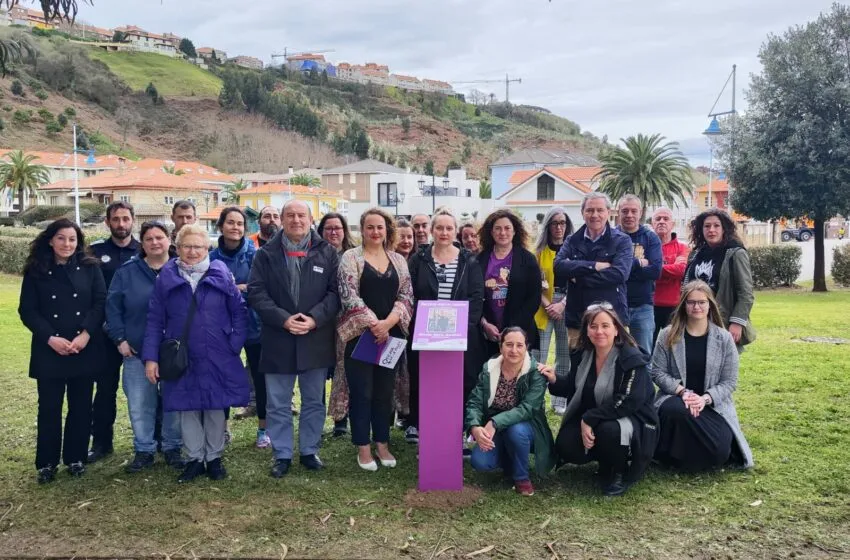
column 433, row 192
column 715, row 130
column 712, row 130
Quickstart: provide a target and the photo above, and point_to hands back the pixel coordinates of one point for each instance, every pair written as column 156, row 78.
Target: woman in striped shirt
column 443, row 270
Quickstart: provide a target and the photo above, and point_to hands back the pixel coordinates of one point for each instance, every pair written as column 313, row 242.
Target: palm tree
column 19, row 173
column 654, row 171
column 230, row 191
column 485, row 189
column 305, row 179
column 10, row 49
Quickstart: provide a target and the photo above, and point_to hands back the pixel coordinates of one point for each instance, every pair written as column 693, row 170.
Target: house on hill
column 535, row 191
column 533, row 158
column 148, row 42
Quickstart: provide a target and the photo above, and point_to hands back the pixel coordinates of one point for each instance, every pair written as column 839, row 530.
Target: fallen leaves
column 484, row 550
column 324, row 520
column 757, row 503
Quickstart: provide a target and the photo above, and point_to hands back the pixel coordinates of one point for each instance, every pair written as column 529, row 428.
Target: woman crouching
column 610, row 417
column 505, row 414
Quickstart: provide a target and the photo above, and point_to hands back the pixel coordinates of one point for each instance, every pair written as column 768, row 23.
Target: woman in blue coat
column 215, row 378
column 126, row 315
column 237, row 252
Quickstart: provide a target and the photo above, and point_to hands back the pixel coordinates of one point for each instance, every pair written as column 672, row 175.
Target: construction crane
column 507, row 81
column 286, row 53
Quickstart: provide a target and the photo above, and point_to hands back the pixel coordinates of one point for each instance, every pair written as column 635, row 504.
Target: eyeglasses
column 600, row 305
column 558, row 224
column 335, row 228
column 696, row 303
column 196, row 248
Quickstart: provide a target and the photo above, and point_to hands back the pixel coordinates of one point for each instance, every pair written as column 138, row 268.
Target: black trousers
column 662, row 318
column 252, row 352
column 370, row 402
column 606, row 448
column 104, row 408
column 49, row 444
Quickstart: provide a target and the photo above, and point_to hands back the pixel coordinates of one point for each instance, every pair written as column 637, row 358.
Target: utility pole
column 76, row 180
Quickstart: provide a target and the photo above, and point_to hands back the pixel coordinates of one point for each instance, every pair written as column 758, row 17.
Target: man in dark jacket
column 646, row 269
column 112, row 252
column 597, row 260
column 293, row 288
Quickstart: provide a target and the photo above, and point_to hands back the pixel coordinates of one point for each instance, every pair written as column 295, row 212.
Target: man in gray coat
column 293, row 288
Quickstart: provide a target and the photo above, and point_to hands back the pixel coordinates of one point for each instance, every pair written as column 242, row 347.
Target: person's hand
column 481, row 438
column 290, row 323
column 547, row 371
column 80, row 341
column 587, row 437
column 152, row 371
column 242, row 287
column 681, row 260
column 381, row 331
column 556, row 310
column 59, row 345
column 490, row 429
column 126, row 350
column 600, row 266
column 693, row 402
column 736, row 331
column 490, row 331
column 643, row 263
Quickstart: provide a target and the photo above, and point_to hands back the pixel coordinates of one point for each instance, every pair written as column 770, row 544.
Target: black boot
column 193, row 470
column 615, row 486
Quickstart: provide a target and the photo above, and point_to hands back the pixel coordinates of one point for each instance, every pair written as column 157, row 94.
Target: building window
column 54, row 201
column 545, row 188
column 468, row 193
column 706, row 202
column 124, row 198
column 352, row 178
column 169, row 200
column 192, row 200
column 353, row 194
column 387, row 194
column 340, row 178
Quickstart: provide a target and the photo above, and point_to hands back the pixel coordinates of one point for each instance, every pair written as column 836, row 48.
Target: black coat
column 269, row 295
column 468, row 286
column 525, row 284
column 64, row 301
column 634, row 396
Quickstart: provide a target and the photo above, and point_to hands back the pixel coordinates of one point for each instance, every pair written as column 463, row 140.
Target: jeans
column 513, row 446
column 642, row 325
column 279, row 425
column 142, row 396
column 50, row 443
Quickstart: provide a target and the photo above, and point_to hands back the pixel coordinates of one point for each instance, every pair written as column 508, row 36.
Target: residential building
column 30, row 18
column 533, row 158
column 308, row 62
column 209, row 53
column 152, row 192
column 718, row 198
column 148, row 42
column 61, row 165
column 321, row 201
column 247, row 62
column 437, row 86
column 535, row 191
column 257, row 179
column 379, row 74
column 192, row 169
column 173, row 39
column 353, row 181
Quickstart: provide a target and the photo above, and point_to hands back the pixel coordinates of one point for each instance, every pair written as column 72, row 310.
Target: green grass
column 792, row 401
column 171, row 76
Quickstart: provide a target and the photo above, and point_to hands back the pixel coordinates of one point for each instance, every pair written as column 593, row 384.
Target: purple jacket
column 216, row 378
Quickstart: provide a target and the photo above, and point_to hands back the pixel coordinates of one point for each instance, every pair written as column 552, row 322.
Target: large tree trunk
column 20, row 200
column 820, row 265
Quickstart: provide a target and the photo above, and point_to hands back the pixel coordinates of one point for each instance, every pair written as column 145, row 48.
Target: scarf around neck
column 295, row 254
column 193, row 272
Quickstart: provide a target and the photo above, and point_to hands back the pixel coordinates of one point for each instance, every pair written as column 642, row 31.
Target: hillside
column 276, row 120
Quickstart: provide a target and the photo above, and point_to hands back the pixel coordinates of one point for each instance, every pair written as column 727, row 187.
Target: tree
column 152, row 92
column 789, row 156
column 230, row 192
column 429, row 167
column 452, row 165
column 187, row 47
column 62, row 10
column 19, row 173
column 477, row 97
column 485, row 189
column 654, row 171
column 306, row 180
column 18, row 88
column 119, row 37
column 172, row 170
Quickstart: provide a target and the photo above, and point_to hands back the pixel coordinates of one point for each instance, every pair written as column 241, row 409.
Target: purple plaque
column 441, row 325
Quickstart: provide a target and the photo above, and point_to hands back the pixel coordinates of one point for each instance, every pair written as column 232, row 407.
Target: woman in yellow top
column 549, row 318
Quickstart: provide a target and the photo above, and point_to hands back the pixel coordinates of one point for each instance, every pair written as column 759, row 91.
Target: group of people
column 626, row 306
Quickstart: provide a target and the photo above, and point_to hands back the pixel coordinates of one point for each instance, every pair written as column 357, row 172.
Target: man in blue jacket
column 597, row 260
column 646, row 269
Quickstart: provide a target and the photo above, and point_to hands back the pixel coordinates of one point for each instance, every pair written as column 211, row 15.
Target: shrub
column 18, row 88
column 70, row 112
column 13, row 254
column 62, row 120
column 841, row 265
column 2, row 125
column 7, row 108
column 775, row 265
column 52, row 127
column 41, row 94
column 45, row 115
column 22, row 117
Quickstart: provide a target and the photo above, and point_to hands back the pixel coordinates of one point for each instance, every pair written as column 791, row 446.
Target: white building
column 148, row 42
column 535, row 191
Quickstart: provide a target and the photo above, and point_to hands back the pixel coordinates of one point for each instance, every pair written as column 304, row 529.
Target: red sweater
column 669, row 286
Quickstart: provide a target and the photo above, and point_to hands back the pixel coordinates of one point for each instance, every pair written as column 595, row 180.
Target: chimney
column 122, row 162
column 291, row 171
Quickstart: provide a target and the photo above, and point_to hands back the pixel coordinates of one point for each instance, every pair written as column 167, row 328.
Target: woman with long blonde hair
column 695, row 365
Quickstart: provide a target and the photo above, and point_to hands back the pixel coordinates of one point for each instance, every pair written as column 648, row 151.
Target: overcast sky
column 616, row 67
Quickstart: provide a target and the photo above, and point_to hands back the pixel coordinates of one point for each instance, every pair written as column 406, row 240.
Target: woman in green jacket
column 505, row 414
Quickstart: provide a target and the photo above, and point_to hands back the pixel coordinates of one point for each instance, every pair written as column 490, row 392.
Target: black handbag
column 174, row 352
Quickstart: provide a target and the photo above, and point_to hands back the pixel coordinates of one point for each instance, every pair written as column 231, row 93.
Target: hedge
column 13, row 254
column 776, row 265
column 841, row 265
column 44, row 213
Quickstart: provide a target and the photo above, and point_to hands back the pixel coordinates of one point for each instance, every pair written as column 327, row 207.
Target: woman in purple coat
column 215, row 378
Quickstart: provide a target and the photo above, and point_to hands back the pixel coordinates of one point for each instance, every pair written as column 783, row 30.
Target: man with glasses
column 420, row 224
column 596, row 260
column 645, row 270
column 112, row 252
column 674, row 255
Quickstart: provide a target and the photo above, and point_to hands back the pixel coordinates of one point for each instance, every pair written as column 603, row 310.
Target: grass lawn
column 171, row 76
column 792, row 400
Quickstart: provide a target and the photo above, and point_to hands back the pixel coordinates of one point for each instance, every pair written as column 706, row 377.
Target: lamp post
column 433, row 192
column 715, row 130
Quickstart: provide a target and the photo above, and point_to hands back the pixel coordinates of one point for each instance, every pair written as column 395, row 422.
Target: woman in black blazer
column 62, row 302
column 512, row 279
column 443, row 271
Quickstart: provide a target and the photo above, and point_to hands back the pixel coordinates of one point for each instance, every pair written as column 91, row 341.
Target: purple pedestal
column 440, row 420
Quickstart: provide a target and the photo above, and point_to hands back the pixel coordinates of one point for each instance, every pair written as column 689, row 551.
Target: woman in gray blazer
column 695, row 365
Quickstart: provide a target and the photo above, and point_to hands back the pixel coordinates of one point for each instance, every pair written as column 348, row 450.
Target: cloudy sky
column 616, row 67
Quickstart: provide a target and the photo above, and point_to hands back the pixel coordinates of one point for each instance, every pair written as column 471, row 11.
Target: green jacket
column 531, row 393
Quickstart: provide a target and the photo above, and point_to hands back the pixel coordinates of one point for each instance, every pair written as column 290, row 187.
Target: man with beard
column 269, row 226
column 183, row 213
column 421, row 225
column 112, row 252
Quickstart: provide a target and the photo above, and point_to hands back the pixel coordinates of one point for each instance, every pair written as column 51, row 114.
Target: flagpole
column 76, row 180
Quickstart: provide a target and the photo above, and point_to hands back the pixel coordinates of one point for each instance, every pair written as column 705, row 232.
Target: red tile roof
column 523, row 176
column 57, row 159
column 581, row 173
column 194, row 169
column 272, row 188
column 147, row 179
column 717, row 185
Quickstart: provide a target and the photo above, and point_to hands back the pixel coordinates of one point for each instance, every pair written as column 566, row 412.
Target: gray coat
column 721, row 377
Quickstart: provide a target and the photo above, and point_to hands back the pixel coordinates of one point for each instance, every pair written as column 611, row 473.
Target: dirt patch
column 443, row 500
